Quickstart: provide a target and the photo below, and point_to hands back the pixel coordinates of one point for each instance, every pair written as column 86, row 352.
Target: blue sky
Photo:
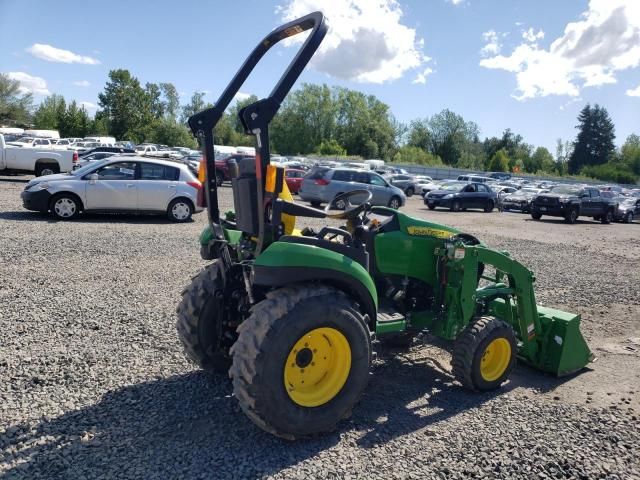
column 528, row 65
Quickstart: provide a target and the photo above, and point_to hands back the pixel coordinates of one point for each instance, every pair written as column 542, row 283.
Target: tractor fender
column 286, row 263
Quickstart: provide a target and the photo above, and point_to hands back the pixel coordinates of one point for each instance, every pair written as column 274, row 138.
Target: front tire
column 180, row 210
column 628, row 218
column 488, row 208
column 65, row 206
column 304, row 332
column 484, row 354
column 200, row 317
column 219, row 178
column 571, row 216
column 431, row 207
column 536, row 215
column 607, row 217
column 410, row 191
column 456, row 206
column 395, row 203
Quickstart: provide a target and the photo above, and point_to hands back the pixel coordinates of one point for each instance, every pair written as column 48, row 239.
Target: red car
column 294, row 179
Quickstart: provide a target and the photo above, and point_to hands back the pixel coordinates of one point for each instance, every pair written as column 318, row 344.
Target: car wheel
column 395, row 203
column 339, row 204
column 46, row 169
column 180, row 210
column 410, row 191
column 536, row 215
column 488, row 208
column 455, row 206
column 219, row 178
column 607, row 217
column 628, row 218
column 431, row 207
column 572, row 216
column 65, row 206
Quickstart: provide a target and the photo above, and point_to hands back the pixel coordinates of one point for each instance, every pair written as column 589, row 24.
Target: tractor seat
column 359, row 255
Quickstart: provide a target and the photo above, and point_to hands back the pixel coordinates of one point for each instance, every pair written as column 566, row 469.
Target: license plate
column 543, row 209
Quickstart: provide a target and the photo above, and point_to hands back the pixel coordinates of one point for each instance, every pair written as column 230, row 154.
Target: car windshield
column 453, row 186
column 90, row 166
column 566, row 190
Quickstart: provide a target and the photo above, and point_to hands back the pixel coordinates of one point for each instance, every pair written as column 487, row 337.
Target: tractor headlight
column 448, row 196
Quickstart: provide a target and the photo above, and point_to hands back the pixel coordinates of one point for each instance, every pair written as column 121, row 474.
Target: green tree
column 171, row 102
column 154, row 99
column 542, row 161
column 594, row 143
column 500, row 161
column 76, row 122
column 411, row 154
column 15, row 109
column 195, row 105
column 331, row 148
column 451, row 135
column 630, row 153
column 50, row 113
column 128, row 107
column 168, row 131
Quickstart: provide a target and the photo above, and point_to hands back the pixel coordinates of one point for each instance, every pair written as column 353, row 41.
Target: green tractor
column 291, row 314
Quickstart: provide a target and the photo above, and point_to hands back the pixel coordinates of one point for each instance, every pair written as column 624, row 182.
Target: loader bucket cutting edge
column 563, row 349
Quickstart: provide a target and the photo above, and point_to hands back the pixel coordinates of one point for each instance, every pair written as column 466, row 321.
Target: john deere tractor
column 291, row 313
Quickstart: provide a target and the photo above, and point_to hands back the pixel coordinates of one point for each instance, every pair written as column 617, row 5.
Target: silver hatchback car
column 118, row 184
column 324, row 184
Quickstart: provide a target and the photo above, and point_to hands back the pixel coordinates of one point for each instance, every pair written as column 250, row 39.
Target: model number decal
column 428, row 232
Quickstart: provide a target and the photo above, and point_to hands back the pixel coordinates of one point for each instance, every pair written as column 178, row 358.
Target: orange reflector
column 202, row 171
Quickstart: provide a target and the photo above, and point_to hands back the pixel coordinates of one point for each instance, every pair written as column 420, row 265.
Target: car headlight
column 447, row 196
column 39, row 186
column 564, row 200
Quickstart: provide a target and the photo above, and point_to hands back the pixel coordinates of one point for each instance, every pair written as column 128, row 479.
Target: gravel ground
column 95, row 385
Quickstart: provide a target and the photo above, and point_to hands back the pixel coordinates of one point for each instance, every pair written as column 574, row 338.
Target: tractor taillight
column 200, row 199
column 322, row 181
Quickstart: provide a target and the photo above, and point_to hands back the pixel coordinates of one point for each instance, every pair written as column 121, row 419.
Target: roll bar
column 256, row 117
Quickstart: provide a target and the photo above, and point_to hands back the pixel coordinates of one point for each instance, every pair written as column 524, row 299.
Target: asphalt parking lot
column 95, row 384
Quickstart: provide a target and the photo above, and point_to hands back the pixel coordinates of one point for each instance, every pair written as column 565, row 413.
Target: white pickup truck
column 41, row 161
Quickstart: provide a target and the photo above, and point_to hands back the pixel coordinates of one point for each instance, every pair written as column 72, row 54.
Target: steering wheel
column 348, row 210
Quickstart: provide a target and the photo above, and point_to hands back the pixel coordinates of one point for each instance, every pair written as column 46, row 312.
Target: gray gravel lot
column 95, row 385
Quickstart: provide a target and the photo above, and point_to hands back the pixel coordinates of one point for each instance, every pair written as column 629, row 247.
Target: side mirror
column 93, row 178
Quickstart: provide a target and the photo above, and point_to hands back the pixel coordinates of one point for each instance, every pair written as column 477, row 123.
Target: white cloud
column 635, row 92
column 422, row 76
column 81, row 83
column 90, row 107
column 531, row 35
column 367, row 41
column 241, row 96
column 492, row 44
column 455, row 2
column 29, row 83
column 591, row 51
column 58, row 55
column 570, row 102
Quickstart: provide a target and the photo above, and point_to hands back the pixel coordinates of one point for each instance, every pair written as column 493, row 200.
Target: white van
column 251, row 151
column 375, row 164
column 223, row 151
column 42, row 133
column 106, row 141
column 475, row 179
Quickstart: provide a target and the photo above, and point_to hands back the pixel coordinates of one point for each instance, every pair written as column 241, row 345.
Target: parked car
column 475, row 178
column 118, row 184
column 324, row 184
column 499, row 175
column 41, row 161
column 424, row 185
column 294, row 178
column 572, row 201
column 106, row 149
column 461, row 196
column 223, row 172
column 93, row 157
column 520, row 200
column 628, row 209
column 403, row 182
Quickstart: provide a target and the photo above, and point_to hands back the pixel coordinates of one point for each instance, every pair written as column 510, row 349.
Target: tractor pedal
column 387, row 317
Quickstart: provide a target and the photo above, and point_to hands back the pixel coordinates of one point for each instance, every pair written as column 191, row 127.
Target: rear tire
column 410, row 191
column 607, row 217
column 536, row 215
column 488, row 208
column 484, row 354
column 265, row 355
column 46, row 169
column 65, row 206
column 219, row 178
column 572, row 216
column 180, row 210
column 199, row 321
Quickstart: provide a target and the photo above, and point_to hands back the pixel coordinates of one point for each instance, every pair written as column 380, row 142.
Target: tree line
column 331, row 121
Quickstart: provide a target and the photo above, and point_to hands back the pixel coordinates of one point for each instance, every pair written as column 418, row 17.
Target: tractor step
column 388, row 321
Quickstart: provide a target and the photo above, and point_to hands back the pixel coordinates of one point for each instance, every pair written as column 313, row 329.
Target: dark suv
column 458, row 196
column 572, row 201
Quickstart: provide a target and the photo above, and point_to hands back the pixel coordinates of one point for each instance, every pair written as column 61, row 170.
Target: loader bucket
column 563, row 349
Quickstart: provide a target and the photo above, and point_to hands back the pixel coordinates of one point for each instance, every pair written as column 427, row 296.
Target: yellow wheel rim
column 317, row 367
column 495, row 359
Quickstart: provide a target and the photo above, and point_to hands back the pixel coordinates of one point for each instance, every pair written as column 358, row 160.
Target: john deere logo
column 428, row 232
